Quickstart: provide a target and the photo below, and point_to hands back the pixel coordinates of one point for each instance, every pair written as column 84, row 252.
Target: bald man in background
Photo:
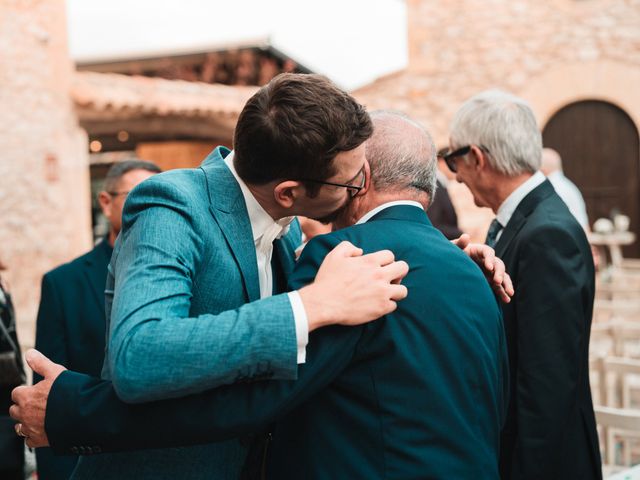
column 565, row 188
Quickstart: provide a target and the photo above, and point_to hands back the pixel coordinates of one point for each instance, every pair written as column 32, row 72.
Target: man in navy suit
column 550, row 432
column 420, row 393
column 70, row 327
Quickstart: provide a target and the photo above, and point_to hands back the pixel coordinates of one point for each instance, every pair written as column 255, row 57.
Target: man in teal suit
column 201, row 251
column 421, row 393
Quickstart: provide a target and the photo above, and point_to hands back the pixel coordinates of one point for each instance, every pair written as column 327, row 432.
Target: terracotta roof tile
column 131, row 95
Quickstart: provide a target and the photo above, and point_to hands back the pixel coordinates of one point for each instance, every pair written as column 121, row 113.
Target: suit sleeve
column 86, row 411
column 552, row 330
column 156, row 349
column 51, row 335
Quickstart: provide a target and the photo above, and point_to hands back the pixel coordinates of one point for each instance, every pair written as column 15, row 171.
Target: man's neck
column 503, row 187
column 264, row 196
column 373, row 200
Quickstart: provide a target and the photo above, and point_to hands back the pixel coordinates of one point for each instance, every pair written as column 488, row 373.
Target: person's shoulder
column 184, row 180
column 552, row 223
column 181, row 189
column 73, row 267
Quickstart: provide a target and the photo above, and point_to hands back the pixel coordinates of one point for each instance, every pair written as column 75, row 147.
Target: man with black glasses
column 195, row 287
column 550, row 432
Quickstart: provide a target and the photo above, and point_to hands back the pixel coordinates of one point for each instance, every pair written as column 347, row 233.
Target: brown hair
column 293, row 128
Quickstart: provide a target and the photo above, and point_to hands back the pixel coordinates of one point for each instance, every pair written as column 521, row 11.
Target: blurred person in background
column 550, row 431
column 71, row 320
column 11, row 375
column 567, row 190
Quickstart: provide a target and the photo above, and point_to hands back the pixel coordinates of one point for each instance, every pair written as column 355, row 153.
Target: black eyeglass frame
column 353, row 189
column 449, row 157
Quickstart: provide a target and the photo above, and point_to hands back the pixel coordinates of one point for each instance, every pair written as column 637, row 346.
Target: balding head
column 551, row 161
column 402, row 166
column 402, row 156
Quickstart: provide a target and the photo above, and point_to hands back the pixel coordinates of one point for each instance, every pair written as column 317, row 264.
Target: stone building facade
column 44, row 169
column 553, row 53
column 48, row 113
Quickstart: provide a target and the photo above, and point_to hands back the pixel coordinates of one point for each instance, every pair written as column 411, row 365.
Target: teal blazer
column 420, row 393
column 180, row 281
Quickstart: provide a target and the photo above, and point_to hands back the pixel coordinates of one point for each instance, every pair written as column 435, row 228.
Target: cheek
column 116, row 214
column 335, row 201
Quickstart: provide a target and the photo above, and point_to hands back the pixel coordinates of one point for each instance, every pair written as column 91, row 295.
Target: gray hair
column 401, row 154
column 119, row 169
column 505, row 126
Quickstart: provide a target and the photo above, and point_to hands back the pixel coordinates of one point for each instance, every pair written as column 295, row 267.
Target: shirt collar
column 262, row 224
column 366, row 217
column 505, row 212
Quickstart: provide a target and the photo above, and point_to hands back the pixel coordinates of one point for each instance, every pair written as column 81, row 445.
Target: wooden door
column 600, row 151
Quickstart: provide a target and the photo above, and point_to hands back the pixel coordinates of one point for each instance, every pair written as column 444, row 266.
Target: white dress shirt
column 265, row 231
column 505, row 212
column 571, row 196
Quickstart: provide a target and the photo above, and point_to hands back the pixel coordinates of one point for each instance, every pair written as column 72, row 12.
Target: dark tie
column 492, row 234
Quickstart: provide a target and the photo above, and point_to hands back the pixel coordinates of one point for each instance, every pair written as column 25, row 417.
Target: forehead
column 133, row 177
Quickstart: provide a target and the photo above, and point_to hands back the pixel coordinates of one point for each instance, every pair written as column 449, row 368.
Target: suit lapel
column 96, row 271
column 228, row 208
column 519, row 217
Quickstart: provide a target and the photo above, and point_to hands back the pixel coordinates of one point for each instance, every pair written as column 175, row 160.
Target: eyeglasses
column 449, row 158
column 115, row 194
column 352, row 189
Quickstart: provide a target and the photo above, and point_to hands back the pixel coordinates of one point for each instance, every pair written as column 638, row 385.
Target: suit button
column 89, row 450
column 74, row 450
column 82, row 450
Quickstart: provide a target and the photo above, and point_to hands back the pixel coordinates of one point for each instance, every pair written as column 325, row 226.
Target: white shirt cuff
column 302, row 325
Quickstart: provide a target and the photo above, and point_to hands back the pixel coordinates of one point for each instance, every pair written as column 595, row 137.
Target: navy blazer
column 70, row 330
column 420, row 393
column 550, row 431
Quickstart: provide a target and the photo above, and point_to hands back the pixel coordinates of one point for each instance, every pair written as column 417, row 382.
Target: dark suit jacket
column 443, row 215
column 71, row 329
column 550, row 431
column 418, row 394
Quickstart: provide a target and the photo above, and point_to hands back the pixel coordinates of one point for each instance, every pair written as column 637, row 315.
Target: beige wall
column 552, row 53
column 44, row 174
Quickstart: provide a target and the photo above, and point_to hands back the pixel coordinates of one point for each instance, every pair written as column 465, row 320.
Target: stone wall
column 44, row 174
column 552, row 53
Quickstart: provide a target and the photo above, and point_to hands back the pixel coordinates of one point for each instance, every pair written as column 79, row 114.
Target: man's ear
column 367, row 178
column 105, row 201
column 478, row 157
column 285, row 193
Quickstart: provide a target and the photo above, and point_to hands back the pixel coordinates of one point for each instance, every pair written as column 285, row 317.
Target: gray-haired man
column 550, row 431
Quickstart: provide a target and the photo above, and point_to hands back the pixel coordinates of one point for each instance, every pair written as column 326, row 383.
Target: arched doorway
column 600, row 151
